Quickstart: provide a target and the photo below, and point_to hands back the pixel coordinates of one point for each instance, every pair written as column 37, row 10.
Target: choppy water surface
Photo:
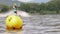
column 37, row 24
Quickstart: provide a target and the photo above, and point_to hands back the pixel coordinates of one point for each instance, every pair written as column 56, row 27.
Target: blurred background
column 32, row 6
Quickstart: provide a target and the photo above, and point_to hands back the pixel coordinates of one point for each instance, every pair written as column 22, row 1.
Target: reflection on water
column 38, row 24
column 14, row 31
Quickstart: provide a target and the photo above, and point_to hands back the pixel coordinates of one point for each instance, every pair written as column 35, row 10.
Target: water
column 11, row 12
column 36, row 24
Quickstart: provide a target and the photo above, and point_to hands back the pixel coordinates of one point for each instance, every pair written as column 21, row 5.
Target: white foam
column 22, row 13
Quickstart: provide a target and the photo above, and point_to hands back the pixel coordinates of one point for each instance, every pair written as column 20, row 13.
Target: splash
column 22, row 13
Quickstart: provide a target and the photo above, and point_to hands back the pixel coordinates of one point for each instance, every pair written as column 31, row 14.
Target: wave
column 21, row 13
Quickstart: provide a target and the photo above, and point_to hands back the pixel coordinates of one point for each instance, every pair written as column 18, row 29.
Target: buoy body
column 14, row 22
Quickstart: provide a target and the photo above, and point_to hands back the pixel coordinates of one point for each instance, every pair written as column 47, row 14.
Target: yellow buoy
column 14, row 22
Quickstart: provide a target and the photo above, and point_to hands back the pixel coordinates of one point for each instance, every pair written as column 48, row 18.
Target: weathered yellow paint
column 13, row 21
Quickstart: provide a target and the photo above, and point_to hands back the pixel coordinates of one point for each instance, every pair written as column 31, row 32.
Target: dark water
column 37, row 24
